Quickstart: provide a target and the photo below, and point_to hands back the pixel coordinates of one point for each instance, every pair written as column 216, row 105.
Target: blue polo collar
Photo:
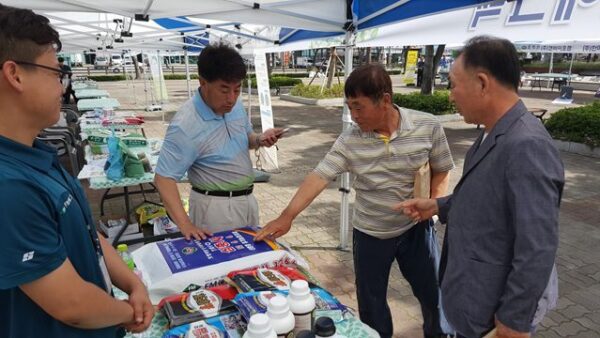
column 203, row 109
column 40, row 156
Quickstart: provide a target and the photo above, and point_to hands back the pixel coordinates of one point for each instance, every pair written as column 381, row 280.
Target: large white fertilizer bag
column 171, row 266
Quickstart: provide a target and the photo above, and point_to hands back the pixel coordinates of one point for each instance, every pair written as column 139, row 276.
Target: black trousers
column 417, row 254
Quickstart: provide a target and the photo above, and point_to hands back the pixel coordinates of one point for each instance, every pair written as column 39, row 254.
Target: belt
column 222, row 193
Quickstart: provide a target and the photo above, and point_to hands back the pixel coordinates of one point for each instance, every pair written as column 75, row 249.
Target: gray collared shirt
column 385, row 168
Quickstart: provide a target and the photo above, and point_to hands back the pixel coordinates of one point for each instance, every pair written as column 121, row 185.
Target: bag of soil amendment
column 170, row 266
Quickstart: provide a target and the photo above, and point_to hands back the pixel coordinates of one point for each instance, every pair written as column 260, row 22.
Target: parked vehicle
column 128, row 66
column 116, row 60
column 303, row 61
column 101, row 62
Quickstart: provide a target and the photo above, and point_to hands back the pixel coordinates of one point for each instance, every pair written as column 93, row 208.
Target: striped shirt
column 212, row 148
column 385, row 168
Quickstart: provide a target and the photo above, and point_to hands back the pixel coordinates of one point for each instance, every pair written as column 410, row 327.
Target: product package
column 256, row 302
column 198, row 305
column 263, row 279
column 148, row 211
column 230, row 325
column 163, row 225
column 170, row 266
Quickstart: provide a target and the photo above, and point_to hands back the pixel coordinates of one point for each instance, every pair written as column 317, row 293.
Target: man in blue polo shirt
column 209, row 138
column 56, row 273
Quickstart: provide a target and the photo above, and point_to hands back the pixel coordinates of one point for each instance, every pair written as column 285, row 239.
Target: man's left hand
column 270, row 136
column 143, row 311
column 503, row 331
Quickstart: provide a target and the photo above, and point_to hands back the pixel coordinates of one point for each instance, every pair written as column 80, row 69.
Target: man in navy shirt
column 56, row 273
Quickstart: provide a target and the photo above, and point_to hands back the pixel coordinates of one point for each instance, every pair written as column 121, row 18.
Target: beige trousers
column 215, row 213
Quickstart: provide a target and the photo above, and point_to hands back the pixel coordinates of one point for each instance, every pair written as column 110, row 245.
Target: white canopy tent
column 302, row 14
column 84, row 30
column 332, row 17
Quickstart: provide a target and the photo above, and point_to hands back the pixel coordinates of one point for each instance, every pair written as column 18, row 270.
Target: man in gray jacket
column 497, row 268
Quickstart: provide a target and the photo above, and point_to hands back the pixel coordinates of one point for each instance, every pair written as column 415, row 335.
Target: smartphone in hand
column 280, row 134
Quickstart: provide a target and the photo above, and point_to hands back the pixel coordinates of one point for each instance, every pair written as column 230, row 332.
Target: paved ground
column 316, row 231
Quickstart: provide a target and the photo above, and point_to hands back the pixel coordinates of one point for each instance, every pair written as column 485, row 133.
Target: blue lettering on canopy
column 517, row 18
column 562, row 14
column 489, row 11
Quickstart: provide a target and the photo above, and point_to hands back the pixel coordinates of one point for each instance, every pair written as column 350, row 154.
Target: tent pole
column 551, row 63
column 187, row 72
column 571, row 65
column 160, row 84
column 345, row 182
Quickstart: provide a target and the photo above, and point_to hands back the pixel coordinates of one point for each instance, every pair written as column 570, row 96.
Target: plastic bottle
column 324, row 327
column 87, row 151
column 123, row 251
column 302, row 305
column 281, row 317
column 259, row 327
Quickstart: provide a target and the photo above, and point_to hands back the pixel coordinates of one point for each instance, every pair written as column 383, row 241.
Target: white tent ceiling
column 86, row 24
column 84, row 30
column 303, row 14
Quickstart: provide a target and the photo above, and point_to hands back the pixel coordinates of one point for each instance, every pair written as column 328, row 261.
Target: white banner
column 531, row 20
column 558, row 47
column 268, row 156
column 158, row 80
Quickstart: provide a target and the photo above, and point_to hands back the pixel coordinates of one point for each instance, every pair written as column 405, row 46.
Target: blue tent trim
column 408, row 10
column 199, row 41
column 362, row 9
column 299, row 34
column 169, row 23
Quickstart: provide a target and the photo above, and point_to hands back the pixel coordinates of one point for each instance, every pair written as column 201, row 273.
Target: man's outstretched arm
column 310, row 188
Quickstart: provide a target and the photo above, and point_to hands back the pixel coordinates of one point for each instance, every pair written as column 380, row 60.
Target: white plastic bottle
column 302, row 305
column 259, row 327
column 281, row 317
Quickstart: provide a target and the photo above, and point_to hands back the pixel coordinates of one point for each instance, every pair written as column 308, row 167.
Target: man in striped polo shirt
column 384, row 151
column 209, row 138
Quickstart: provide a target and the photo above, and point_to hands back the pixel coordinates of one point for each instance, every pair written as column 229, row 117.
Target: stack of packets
column 267, row 283
column 224, row 311
column 130, row 120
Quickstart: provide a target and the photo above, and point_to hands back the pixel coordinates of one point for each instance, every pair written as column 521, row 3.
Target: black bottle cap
column 305, row 334
column 324, row 327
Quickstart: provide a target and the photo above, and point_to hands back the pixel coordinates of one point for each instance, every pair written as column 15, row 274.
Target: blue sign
column 182, row 255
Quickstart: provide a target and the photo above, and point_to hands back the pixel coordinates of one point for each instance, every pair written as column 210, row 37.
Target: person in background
column 420, row 68
column 384, row 150
column 209, row 138
column 497, row 268
column 66, row 80
column 56, row 271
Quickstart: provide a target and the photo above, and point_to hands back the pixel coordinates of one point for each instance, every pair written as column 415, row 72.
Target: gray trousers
column 215, row 213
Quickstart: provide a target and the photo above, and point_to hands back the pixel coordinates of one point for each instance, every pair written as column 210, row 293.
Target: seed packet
column 230, row 325
column 265, row 279
column 197, row 305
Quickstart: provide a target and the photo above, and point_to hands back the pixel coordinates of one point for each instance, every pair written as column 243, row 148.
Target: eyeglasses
column 60, row 72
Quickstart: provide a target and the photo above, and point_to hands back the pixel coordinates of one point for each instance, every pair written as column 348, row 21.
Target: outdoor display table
column 77, row 85
column 558, row 78
column 345, row 320
column 98, row 179
column 83, row 94
column 91, row 124
column 351, row 327
column 91, row 104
